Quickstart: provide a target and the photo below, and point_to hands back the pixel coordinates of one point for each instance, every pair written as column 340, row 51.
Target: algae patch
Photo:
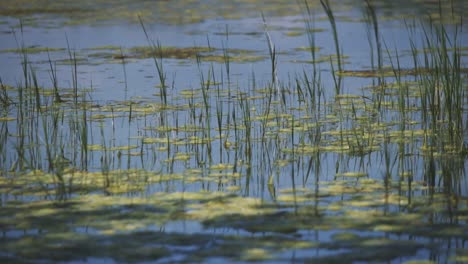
column 32, row 50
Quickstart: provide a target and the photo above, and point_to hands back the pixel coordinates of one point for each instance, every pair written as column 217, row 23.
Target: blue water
column 107, row 85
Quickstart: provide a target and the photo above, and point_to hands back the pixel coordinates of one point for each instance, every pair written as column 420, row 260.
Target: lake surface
column 200, row 131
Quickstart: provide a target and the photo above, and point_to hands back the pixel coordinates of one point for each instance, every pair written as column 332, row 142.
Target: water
column 235, row 164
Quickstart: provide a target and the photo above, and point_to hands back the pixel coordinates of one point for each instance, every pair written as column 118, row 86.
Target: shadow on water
column 363, row 218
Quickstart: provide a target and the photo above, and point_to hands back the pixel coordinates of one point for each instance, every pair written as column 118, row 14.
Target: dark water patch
column 121, row 223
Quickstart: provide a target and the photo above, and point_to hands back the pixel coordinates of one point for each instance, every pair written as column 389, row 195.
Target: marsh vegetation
column 269, row 135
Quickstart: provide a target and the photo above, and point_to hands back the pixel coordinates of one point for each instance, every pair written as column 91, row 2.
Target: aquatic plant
column 331, row 18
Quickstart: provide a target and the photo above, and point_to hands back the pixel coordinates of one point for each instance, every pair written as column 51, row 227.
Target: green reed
column 283, row 107
column 331, row 18
column 313, row 91
column 441, row 86
column 157, row 51
column 372, row 25
column 205, row 85
column 5, row 99
column 273, row 59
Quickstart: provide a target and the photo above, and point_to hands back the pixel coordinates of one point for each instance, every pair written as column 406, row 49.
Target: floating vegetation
column 351, row 174
column 324, row 59
column 296, row 32
column 120, row 216
column 308, row 49
column 389, row 72
column 182, row 53
column 112, row 54
column 6, row 119
column 32, row 50
column 166, row 52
